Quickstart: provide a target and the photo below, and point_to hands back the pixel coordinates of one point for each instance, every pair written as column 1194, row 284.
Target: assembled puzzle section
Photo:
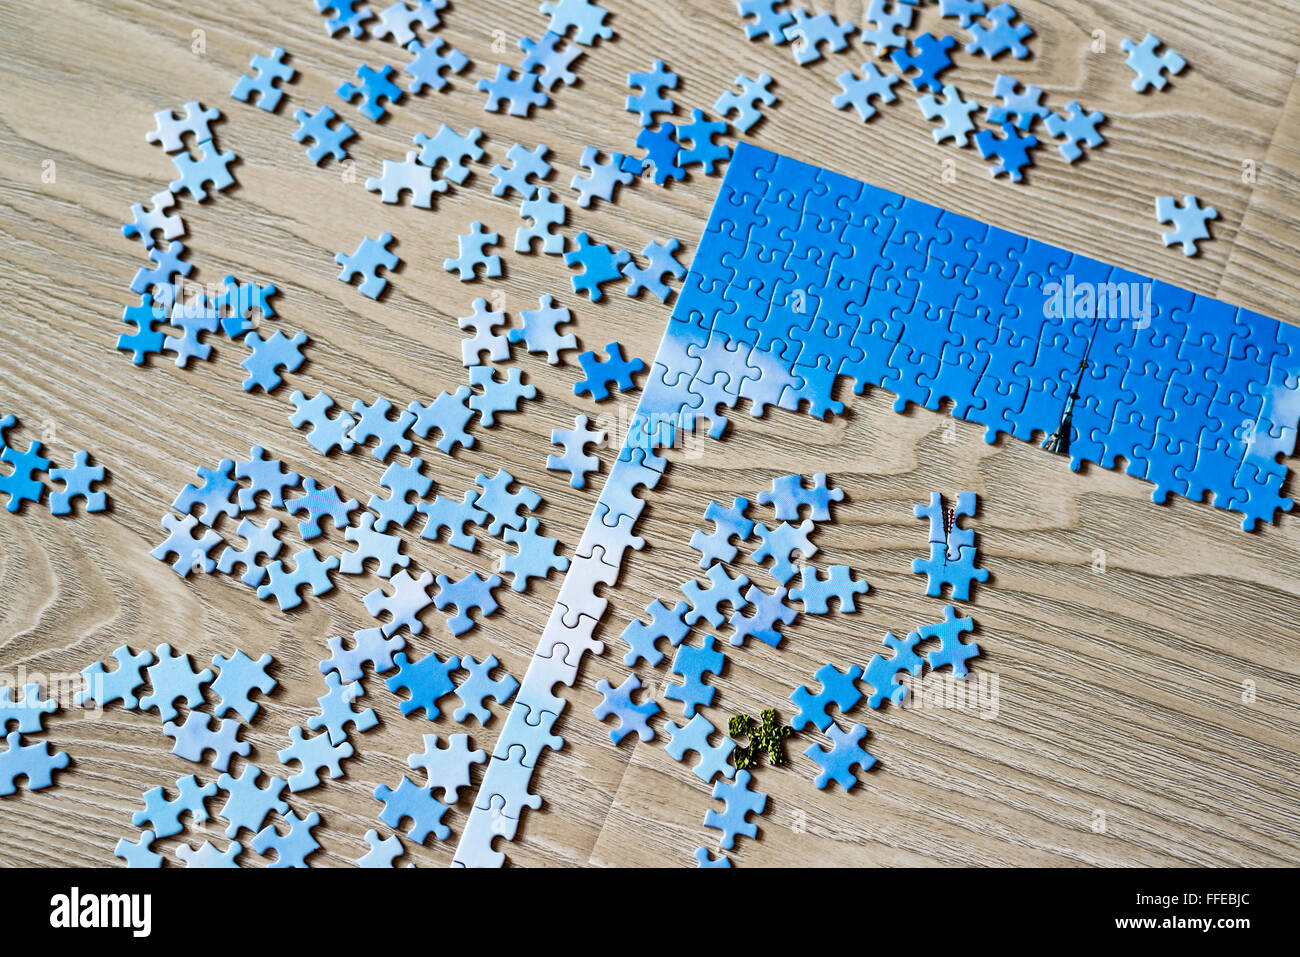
column 855, row 281
column 1195, row 394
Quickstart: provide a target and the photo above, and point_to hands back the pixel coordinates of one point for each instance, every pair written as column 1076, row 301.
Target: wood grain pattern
column 1120, row 691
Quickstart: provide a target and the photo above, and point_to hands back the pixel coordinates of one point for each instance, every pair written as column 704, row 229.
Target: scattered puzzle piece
column 1189, row 221
column 600, row 265
column 237, row 678
column 173, row 679
column 195, row 737
column 739, row 800
column 267, row 71
column 693, row 664
column 816, row 592
column 520, row 93
column 77, row 482
column 695, row 737
column 472, row 247
column 662, row 262
column 293, row 848
column 313, row 755
column 430, row 60
column 632, row 717
column 838, row 688
column 1002, row 36
column 472, row 591
column 1073, row 127
column 599, row 376
column 883, row 673
column 410, row 801
column 1150, row 67
column 745, row 104
column 164, row 816
column 535, row 557
column 838, row 761
column 375, row 86
column 857, row 92
column 478, row 687
column 371, row 256
column 248, row 805
column 336, row 711
column 328, row 139
column 651, row 99
column 447, row 768
column 426, row 681
column 575, row 460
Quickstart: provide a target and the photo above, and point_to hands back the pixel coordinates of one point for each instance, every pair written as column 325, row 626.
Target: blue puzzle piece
column 247, row 804
column 173, row 679
column 651, row 98
column 838, row 761
column 952, row 650
column 930, row 59
column 816, row 591
column 164, row 816
column 780, row 544
column 665, row 622
column 600, row 265
column 472, row 254
column 320, row 503
column 237, row 678
column 292, row 848
column 375, row 86
column 449, row 414
column 1149, row 66
column 661, row 262
column 454, row 516
column 430, row 60
column 739, row 800
column 328, row 139
column 28, row 712
column 702, row 858
column 371, row 255
column 313, row 755
column 838, row 688
column 695, row 737
column 535, row 557
column 402, row 481
column 268, row 356
column 631, row 716
column 268, row 73
column 769, row 612
column 22, row 485
column 336, row 711
column 77, row 482
column 1001, row 36
column 519, row 93
column 104, row 687
column 309, row 570
column 693, row 664
column 472, row 591
column 553, row 59
column 808, row 32
column 497, row 396
column 703, row 149
column 706, row 602
column 662, row 151
column 416, row 803
column 599, row 375
column 584, row 17
column 426, row 681
column 745, row 104
column 883, row 673
column 478, row 687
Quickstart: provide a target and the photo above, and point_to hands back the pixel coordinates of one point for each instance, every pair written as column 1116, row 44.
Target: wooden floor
column 1140, row 671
